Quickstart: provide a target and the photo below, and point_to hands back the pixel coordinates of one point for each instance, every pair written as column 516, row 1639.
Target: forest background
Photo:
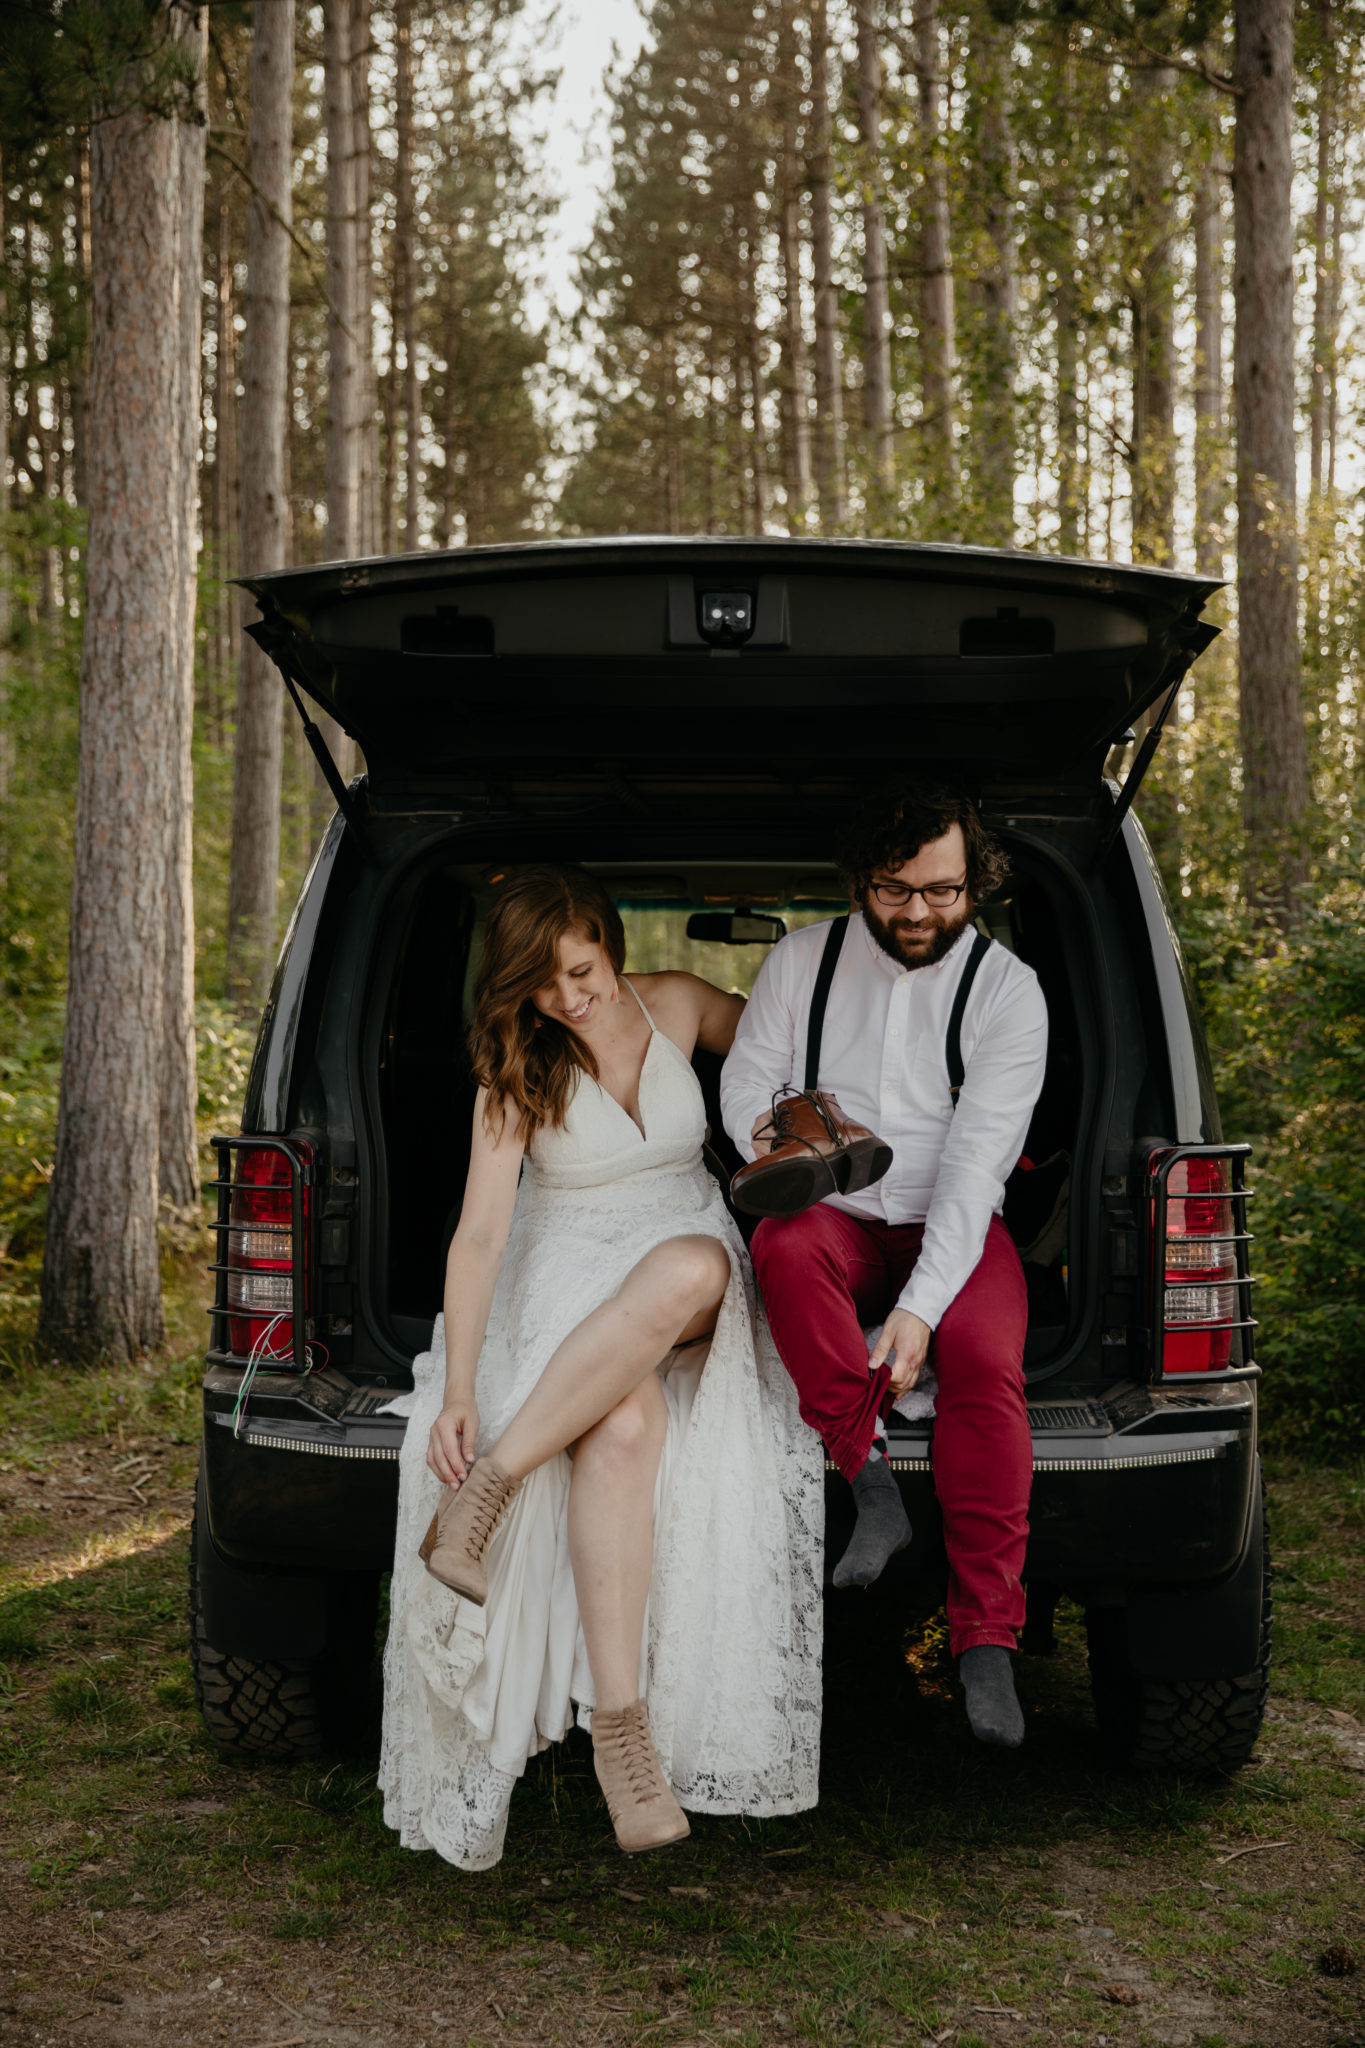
column 935, row 269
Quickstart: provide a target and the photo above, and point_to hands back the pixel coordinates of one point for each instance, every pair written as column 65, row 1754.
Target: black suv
column 691, row 719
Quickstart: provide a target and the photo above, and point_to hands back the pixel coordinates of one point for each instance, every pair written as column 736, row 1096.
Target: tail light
column 262, row 1298
column 1200, row 1278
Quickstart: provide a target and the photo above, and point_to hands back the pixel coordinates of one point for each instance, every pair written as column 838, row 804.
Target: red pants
column 826, row 1273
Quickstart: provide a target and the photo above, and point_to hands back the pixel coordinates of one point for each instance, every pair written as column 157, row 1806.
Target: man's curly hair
column 891, row 826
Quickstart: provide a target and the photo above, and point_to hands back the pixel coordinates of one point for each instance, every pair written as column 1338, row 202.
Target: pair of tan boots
column 639, row 1799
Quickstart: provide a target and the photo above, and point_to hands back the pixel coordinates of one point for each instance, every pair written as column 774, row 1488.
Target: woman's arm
column 472, row 1268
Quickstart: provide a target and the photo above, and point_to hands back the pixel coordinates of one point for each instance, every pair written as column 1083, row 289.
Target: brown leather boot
column 643, row 1810
column 454, row 1547
column 814, row 1150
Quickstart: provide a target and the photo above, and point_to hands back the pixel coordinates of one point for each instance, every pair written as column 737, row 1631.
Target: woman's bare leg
column 675, row 1290
column 611, row 1536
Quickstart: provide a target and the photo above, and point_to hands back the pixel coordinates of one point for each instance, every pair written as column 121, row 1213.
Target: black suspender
column 981, row 946
column 829, row 960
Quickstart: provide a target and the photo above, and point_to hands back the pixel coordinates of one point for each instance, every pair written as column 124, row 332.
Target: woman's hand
column 450, row 1452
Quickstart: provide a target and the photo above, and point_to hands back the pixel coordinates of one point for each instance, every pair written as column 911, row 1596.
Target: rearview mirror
column 735, row 928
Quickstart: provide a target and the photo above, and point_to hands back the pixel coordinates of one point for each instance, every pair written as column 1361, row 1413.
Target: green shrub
column 1286, row 1024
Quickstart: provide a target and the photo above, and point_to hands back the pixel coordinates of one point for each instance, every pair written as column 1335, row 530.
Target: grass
column 939, row 1892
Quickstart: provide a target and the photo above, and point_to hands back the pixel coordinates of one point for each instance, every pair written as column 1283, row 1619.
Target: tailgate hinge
column 266, row 639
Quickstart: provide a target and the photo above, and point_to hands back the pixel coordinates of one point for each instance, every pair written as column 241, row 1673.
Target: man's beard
column 946, row 934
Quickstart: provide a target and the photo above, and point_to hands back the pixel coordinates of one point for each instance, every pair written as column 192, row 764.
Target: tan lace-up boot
column 639, row 1799
column 454, row 1547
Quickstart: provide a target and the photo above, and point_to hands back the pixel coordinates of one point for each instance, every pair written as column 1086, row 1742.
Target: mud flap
column 1211, row 1632
column 266, row 1616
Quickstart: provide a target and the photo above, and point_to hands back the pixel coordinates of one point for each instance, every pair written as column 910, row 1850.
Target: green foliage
column 1287, row 1028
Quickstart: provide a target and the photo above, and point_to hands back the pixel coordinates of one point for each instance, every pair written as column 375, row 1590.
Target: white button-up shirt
column 884, row 1056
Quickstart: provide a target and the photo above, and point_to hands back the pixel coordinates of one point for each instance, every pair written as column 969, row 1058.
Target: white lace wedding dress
column 730, row 1664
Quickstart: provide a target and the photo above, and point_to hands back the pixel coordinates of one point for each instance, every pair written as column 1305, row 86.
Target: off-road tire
column 1170, row 1724
column 250, row 1709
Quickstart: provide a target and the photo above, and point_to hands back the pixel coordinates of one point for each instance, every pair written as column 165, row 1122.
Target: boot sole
column 794, row 1186
column 868, row 1160
column 645, row 1848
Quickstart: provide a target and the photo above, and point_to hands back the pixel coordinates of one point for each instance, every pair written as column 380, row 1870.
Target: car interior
column 716, row 919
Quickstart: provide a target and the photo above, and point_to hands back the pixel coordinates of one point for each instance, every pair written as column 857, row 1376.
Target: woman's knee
column 630, row 1430
column 686, row 1274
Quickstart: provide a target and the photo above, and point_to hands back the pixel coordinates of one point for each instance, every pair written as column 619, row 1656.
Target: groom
column 923, row 1251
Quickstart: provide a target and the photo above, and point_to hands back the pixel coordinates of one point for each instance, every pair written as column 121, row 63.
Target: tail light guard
column 1199, row 1277
column 261, row 1311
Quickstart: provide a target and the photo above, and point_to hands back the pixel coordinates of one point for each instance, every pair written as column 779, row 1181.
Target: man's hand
column 904, row 1342
column 450, row 1452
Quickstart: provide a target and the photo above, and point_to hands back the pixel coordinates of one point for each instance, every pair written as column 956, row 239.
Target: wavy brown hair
column 891, row 826
column 528, row 1062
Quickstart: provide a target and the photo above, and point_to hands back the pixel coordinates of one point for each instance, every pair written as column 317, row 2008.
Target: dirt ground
column 940, row 1893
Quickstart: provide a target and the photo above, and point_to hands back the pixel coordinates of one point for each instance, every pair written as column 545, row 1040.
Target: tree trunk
column 995, row 438
column 938, row 325
column 178, row 1170
column 1324, row 326
column 258, row 755
column 1274, row 754
column 344, row 433
column 1210, row 484
column 876, row 297
column 225, row 457
column 1152, row 301
column 101, row 1277
column 829, row 407
column 405, row 269
column 367, row 383
column 80, row 369
column 796, row 465
column 754, row 377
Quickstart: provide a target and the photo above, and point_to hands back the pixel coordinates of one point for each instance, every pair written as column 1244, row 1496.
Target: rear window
column 656, row 941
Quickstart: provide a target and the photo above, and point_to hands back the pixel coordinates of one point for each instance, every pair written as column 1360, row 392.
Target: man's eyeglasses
column 938, row 895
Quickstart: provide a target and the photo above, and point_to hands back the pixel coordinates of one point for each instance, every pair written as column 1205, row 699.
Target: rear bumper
column 293, row 1487
column 1128, row 1501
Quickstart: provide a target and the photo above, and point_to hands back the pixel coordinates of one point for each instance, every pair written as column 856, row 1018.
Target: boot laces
column 635, row 1751
column 779, row 1129
column 486, row 1508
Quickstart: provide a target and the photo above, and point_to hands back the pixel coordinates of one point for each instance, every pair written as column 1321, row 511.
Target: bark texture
column 362, row 320
column 264, row 501
column 997, row 283
column 179, row 1145
column 345, row 421
column 796, row 450
column 101, row 1278
column 1274, row 752
column 1210, row 427
column 938, row 325
column 1322, row 388
column 876, row 293
column 405, row 269
column 829, row 406
column 1152, row 176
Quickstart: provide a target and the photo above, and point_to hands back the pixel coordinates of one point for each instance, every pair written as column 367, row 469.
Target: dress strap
column 640, row 1000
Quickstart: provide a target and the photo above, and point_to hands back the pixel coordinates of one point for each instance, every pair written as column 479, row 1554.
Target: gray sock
column 993, row 1708
column 882, row 1528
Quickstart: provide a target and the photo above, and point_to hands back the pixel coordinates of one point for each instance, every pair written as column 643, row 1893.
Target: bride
column 606, row 1494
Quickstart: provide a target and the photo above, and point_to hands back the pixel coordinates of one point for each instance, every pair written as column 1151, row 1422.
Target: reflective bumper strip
column 1076, row 1464
column 316, row 1450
